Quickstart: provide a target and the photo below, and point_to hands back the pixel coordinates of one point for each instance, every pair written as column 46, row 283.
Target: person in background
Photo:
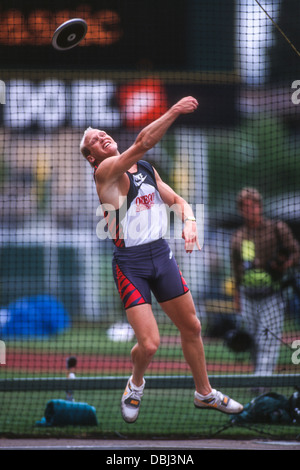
column 262, row 251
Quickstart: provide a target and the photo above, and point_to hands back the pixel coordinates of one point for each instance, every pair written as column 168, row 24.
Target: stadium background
column 57, row 293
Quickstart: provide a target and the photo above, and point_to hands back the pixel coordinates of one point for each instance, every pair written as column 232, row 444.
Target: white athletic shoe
column 217, row 401
column 131, row 401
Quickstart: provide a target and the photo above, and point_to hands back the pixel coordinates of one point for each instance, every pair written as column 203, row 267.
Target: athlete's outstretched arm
column 154, row 132
column 112, row 168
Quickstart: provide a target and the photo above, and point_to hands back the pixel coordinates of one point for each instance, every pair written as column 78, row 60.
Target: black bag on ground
column 268, row 408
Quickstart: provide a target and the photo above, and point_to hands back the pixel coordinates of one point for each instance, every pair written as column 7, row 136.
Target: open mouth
column 106, row 145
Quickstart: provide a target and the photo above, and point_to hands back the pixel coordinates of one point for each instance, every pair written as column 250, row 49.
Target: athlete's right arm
column 112, row 168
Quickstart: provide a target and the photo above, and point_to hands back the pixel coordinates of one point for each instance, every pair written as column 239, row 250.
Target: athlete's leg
column 181, row 311
column 143, row 322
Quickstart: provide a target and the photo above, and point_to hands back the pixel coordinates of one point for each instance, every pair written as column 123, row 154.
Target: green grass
column 164, row 414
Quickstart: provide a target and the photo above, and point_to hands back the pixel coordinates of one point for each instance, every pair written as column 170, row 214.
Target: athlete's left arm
column 183, row 210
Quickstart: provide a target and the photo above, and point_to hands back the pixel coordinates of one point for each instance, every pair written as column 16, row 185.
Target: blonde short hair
column 83, row 148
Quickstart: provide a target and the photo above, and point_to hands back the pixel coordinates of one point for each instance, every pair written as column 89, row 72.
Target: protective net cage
column 61, row 312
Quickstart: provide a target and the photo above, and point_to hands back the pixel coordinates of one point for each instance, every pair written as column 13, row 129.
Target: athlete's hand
column 186, row 105
column 190, row 236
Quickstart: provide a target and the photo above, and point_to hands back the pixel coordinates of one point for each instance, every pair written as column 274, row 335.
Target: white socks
column 204, row 397
column 134, row 387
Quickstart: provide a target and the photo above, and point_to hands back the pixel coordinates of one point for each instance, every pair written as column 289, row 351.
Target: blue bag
column 62, row 413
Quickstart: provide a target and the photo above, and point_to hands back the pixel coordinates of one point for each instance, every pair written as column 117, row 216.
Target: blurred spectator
column 262, row 250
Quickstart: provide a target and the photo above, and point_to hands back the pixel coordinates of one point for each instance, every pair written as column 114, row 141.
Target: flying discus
column 69, row 34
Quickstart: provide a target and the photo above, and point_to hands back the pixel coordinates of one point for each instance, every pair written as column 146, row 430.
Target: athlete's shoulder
column 101, row 169
column 147, row 165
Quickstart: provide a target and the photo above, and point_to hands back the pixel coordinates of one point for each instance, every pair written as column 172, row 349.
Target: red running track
column 55, row 363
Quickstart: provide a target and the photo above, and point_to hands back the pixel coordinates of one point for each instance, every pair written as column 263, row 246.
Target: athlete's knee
column 192, row 328
column 150, row 346
column 196, row 326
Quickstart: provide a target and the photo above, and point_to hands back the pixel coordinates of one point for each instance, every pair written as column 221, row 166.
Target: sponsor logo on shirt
column 144, row 202
column 139, row 179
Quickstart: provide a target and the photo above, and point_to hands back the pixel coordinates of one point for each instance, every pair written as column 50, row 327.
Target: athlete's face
column 100, row 145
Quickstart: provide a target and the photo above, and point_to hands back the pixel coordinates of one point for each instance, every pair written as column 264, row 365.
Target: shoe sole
column 126, row 419
column 211, row 408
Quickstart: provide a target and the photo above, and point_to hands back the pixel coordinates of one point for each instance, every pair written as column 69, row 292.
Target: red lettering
column 41, row 26
column 144, row 202
column 13, row 29
column 104, row 27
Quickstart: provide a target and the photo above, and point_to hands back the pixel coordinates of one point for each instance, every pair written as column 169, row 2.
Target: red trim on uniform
column 114, row 230
column 184, row 283
column 128, row 292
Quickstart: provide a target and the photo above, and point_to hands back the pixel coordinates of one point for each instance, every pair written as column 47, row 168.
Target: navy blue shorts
column 140, row 270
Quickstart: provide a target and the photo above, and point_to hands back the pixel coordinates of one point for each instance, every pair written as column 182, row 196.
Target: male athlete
column 143, row 261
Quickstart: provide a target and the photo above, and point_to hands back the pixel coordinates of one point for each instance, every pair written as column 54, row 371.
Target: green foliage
column 257, row 153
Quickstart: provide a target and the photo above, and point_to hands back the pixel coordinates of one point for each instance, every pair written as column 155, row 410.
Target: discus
column 69, row 34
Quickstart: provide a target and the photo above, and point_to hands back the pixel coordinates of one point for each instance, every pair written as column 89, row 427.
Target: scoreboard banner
column 172, row 34
column 53, row 102
column 50, row 103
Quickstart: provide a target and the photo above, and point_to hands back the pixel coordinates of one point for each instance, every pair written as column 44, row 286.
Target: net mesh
column 57, row 294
